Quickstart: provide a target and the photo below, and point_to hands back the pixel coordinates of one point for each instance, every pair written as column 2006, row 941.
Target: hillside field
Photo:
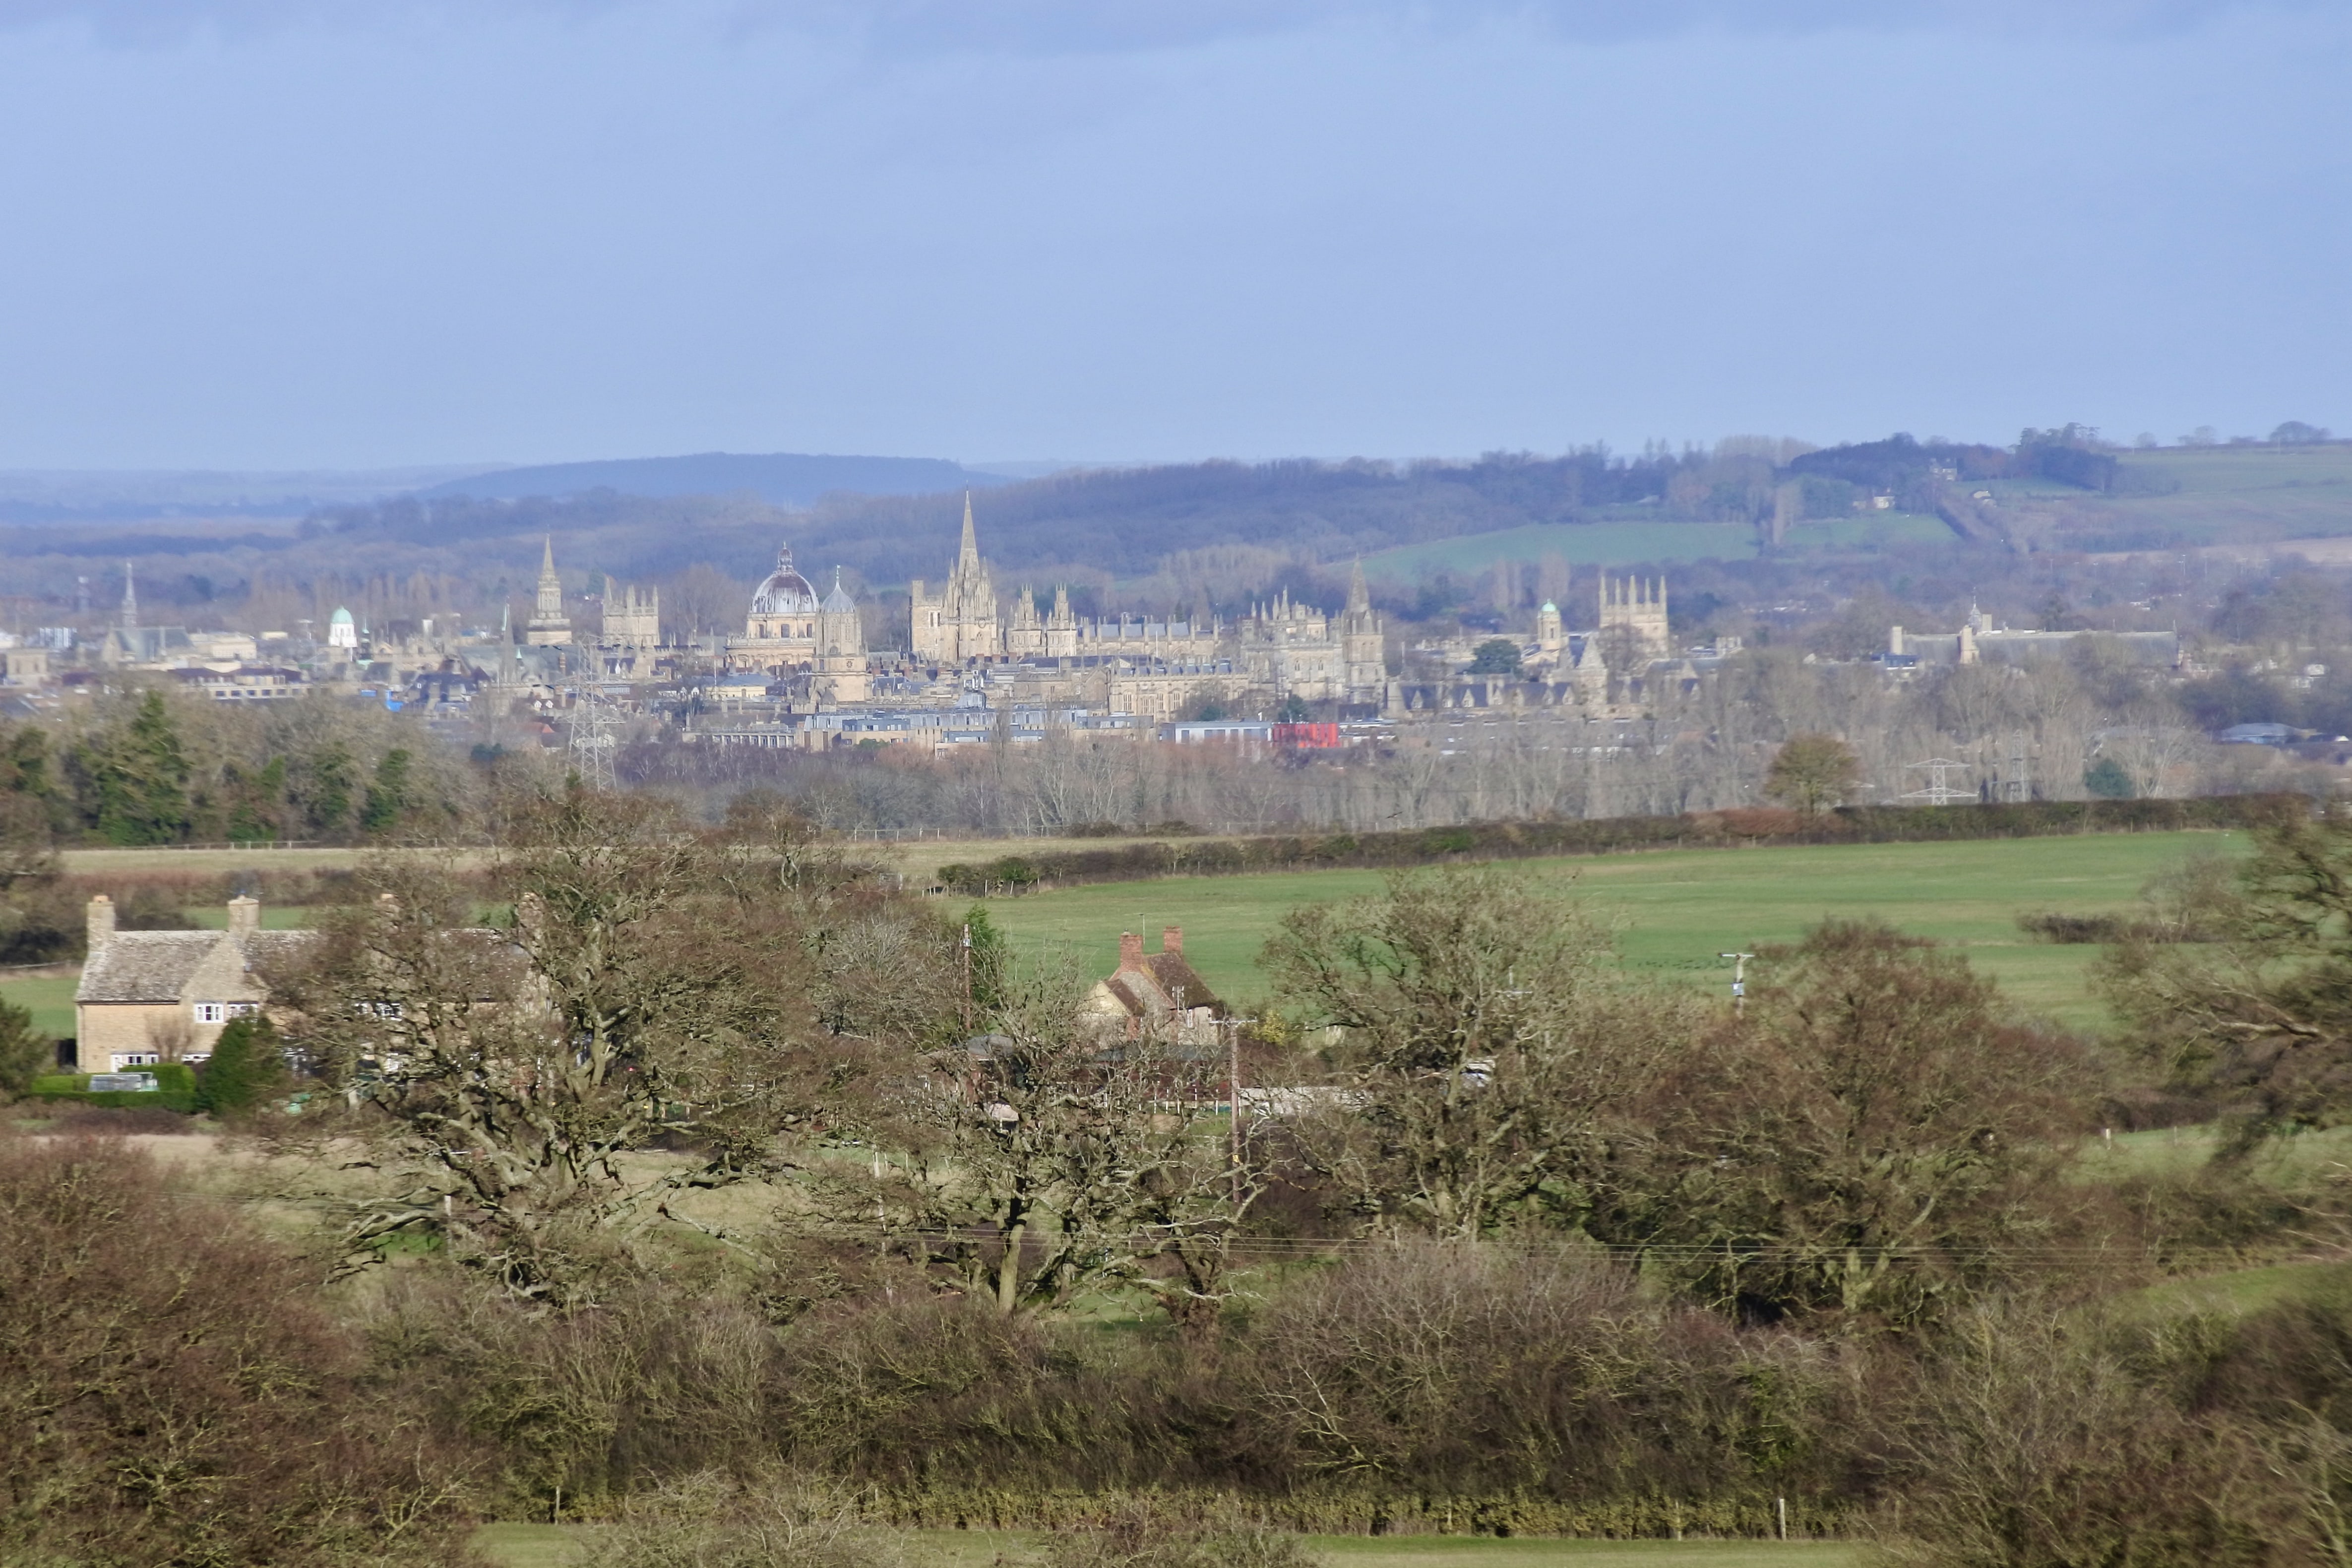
column 1616, row 544
column 1677, row 908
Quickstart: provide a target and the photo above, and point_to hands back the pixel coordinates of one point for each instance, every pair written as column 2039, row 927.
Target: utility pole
column 1233, row 1098
column 967, row 979
column 1739, row 981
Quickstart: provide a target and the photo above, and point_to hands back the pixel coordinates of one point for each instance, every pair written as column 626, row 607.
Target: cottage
column 149, row 997
column 1156, row 992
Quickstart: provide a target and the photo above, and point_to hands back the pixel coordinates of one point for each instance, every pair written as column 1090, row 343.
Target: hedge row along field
column 1135, row 861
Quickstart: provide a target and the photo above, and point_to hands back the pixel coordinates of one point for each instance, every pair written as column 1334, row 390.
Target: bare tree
column 654, row 986
column 1483, row 1040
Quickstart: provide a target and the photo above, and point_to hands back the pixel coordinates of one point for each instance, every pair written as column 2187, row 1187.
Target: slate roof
column 1171, row 973
column 155, row 966
column 145, row 965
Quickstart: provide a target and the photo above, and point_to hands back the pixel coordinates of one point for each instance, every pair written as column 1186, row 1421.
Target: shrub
column 171, row 1393
column 711, row 1521
column 175, row 1089
column 245, row 1066
column 1148, row 1532
column 25, row 1053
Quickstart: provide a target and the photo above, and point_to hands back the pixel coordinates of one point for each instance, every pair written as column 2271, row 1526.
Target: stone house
column 149, row 997
column 1155, row 992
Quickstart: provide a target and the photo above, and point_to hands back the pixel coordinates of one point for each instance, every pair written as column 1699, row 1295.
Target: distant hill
column 781, row 479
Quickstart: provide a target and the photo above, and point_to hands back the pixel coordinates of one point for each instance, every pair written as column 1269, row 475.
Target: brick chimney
column 243, row 915
column 102, row 920
column 1171, row 939
column 1131, row 951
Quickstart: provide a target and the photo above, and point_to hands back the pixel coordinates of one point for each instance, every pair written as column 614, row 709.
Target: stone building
column 1157, row 994
column 1636, row 608
column 780, row 635
column 841, row 664
column 549, row 626
column 149, row 997
column 959, row 624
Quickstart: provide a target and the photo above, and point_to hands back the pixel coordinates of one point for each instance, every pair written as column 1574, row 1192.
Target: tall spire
column 129, row 600
column 1359, row 596
column 968, row 554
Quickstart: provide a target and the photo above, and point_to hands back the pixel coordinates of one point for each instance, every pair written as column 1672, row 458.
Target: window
column 212, row 1012
column 137, row 1058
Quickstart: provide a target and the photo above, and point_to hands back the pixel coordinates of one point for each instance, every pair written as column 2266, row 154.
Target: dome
column 342, row 618
column 786, row 592
column 838, row 602
column 1549, row 608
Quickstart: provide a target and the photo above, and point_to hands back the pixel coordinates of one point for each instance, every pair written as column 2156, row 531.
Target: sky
column 303, row 233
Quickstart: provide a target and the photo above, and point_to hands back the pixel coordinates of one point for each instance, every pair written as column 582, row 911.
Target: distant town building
column 549, row 626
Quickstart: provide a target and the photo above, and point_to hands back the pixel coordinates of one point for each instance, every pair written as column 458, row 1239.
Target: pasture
column 1619, row 543
column 1675, row 909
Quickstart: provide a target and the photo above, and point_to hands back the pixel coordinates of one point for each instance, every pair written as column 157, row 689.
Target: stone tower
column 1025, row 636
column 1638, row 605
column 632, row 617
column 1363, row 652
column 959, row 624
column 550, row 626
column 841, row 645
column 1062, row 627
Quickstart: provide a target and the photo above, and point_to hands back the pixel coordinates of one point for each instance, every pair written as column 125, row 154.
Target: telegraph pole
column 1233, row 1098
column 967, row 978
column 1739, row 981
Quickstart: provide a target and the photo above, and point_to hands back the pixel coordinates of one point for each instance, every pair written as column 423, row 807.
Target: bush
column 245, row 1066
column 711, row 1521
column 25, row 1054
column 1454, row 1368
column 1148, row 1532
column 171, row 1393
column 175, row 1089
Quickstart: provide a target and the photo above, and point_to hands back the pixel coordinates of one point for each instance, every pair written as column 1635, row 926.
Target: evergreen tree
column 256, row 799
column 25, row 1053
column 2108, row 779
column 990, row 959
column 328, row 789
column 245, row 1066
column 387, row 798
column 140, row 775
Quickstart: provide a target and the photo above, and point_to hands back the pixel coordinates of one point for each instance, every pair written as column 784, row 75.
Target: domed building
column 780, row 635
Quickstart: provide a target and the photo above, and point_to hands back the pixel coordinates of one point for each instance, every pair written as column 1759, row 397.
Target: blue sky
column 305, row 233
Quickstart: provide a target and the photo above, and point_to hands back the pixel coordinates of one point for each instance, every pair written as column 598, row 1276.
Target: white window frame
column 212, row 1012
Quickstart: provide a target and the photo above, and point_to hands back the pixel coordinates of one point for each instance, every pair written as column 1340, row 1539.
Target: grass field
column 1678, row 908
column 552, row 1546
column 51, row 998
column 1613, row 543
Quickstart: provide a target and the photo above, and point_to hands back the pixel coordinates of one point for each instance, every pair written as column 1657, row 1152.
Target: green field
column 51, row 998
column 1677, row 908
column 1613, row 543
column 551, row 1546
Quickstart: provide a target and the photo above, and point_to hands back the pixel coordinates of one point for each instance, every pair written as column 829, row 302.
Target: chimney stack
column 1131, row 951
column 243, row 915
column 101, row 921
column 1171, row 939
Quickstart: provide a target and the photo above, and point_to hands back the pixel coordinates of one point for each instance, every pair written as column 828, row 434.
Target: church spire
column 1359, row 596
column 968, row 554
column 129, row 600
